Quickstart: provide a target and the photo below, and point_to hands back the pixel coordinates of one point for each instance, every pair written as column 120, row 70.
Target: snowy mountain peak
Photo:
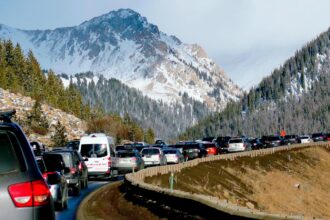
column 124, row 45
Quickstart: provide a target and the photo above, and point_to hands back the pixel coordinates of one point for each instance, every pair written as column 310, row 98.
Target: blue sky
column 248, row 38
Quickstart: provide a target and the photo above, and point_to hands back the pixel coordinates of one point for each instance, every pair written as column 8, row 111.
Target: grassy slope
column 267, row 183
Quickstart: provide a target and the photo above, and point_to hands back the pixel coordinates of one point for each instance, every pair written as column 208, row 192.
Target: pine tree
column 59, row 138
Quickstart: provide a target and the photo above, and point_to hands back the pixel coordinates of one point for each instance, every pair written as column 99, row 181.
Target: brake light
column 109, row 162
column 80, row 166
column 134, row 159
column 73, row 170
column 29, row 194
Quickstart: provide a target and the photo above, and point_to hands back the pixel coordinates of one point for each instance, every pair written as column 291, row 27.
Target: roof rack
column 7, row 115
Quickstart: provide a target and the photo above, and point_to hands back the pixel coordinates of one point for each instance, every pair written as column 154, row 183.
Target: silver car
column 128, row 161
column 153, row 156
column 58, row 186
column 173, row 155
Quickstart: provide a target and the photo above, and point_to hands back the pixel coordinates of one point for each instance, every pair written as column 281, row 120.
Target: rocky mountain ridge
column 75, row 127
column 123, row 45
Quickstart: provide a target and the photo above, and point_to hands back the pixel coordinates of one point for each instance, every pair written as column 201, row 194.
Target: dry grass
column 110, row 203
column 268, row 183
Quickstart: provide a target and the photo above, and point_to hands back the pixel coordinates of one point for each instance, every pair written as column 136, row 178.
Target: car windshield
column 125, row 154
column 150, row 151
column 235, row 141
column 8, row 159
column 94, row 150
column 317, row 135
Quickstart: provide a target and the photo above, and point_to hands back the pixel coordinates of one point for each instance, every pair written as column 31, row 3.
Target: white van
column 98, row 151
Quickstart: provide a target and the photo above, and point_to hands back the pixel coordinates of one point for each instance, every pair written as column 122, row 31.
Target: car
column 73, row 144
column 237, row 144
column 38, row 148
column 77, row 172
column 303, row 139
column 57, row 183
column 327, row 137
column 137, row 146
column 98, row 150
column 173, row 155
column 128, row 161
column 318, row 137
column 193, row 150
column 24, row 194
column 272, row 141
column 222, row 143
column 290, row 139
column 153, row 156
column 256, row 143
column 210, row 147
column 120, row 148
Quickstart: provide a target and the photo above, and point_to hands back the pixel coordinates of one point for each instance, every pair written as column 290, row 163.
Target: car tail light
column 109, row 162
column 29, row 194
column 73, row 170
column 134, row 159
column 80, row 167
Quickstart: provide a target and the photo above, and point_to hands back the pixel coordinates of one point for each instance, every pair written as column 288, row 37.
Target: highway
column 74, row 201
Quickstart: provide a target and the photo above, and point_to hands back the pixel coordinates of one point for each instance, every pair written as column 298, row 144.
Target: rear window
column 191, row 146
column 125, row 154
column 150, row 151
column 67, row 157
column 235, row 141
column 94, row 150
column 8, row 156
column 209, row 145
column 170, row 151
column 53, row 162
column 274, row 138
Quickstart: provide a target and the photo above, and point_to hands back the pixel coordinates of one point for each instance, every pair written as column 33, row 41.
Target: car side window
column 8, row 157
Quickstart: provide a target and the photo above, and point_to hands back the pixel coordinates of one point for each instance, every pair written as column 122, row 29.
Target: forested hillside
column 114, row 97
column 22, row 74
column 295, row 97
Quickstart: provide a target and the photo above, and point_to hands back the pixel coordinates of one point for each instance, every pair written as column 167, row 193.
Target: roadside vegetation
column 294, row 182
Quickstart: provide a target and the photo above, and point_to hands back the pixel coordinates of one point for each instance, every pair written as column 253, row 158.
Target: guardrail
column 137, row 180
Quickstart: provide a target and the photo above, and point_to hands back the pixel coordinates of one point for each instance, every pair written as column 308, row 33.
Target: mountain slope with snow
column 123, row 45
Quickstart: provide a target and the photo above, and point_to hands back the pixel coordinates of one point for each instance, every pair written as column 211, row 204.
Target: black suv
column 24, row 194
column 75, row 168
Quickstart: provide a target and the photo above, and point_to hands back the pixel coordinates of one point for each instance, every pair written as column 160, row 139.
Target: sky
column 247, row 38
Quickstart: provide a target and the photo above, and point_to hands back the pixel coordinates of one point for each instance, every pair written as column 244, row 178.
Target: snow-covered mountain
column 123, row 45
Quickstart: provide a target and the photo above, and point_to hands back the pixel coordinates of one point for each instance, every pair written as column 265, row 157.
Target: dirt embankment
column 110, row 203
column 294, row 182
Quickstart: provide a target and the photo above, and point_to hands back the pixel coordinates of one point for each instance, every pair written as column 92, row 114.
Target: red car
column 210, row 147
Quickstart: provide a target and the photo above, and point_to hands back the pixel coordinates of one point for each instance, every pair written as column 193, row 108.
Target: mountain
column 123, row 45
column 112, row 96
column 295, row 97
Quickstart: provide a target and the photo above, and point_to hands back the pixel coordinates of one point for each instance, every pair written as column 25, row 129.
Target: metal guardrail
column 137, row 180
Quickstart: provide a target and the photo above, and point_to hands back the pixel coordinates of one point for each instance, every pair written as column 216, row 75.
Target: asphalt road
column 74, row 201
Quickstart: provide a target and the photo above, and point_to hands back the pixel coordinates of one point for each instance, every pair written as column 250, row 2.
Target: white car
column 173, row 155
column 153, row 156
column 98, row 151
column 305, row 139
column 236, row 145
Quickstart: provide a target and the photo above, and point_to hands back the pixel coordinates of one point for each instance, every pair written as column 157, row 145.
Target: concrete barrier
column 137, row 180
